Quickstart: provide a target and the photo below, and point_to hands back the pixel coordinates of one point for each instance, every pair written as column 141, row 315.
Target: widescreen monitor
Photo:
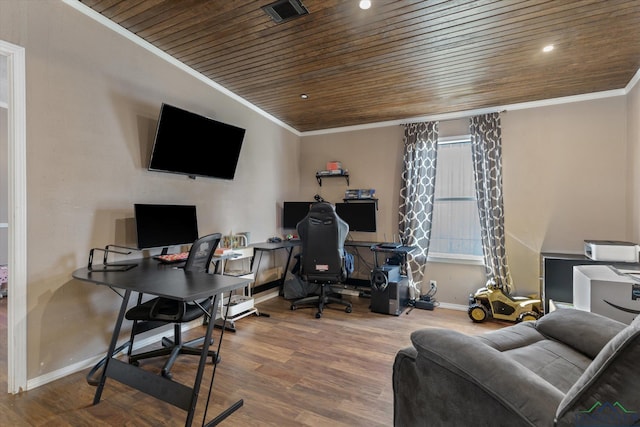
column 161, row 226
column 361, row 216
column 293, row 213
column 190, row 144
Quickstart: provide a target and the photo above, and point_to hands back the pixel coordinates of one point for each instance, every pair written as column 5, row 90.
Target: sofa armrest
column 454, row 379
column 582, row 330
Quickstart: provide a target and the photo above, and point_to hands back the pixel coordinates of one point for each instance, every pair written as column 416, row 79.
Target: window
column 455, row 231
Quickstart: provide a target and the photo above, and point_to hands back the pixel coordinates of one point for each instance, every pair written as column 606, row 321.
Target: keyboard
column 172, row 258
column 389, row 245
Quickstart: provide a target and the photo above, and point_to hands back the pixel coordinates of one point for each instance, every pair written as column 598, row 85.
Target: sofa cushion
column 589, row 332
column 554, row 362
column 610, row 383
column 516, row 336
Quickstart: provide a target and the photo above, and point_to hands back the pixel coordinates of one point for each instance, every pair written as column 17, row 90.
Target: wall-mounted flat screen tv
column 190, row 144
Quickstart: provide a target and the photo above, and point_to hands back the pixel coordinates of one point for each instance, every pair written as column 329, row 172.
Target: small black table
column 151, row 277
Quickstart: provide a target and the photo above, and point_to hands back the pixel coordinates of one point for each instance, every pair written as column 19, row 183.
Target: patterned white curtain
column 486, row 147
column 417, row 194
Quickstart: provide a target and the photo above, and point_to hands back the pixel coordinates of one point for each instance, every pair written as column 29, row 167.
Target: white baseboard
column 450, row 306
column 266, row 297
column 89, row 363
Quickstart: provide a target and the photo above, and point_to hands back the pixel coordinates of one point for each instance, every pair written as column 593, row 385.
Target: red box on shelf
column 332, row 166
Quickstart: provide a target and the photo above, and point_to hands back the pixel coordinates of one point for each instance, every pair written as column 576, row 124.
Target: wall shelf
column 320, row 176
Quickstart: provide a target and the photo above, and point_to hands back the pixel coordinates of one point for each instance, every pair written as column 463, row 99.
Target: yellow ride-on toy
column 494, row 301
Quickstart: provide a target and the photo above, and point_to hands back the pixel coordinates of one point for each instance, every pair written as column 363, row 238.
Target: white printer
column 611, row 250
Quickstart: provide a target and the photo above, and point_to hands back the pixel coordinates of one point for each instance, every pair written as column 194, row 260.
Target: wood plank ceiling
column 396, row 60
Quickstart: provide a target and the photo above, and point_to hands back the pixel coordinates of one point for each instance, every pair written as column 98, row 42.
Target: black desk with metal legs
column 150, row 277
column 260, row 248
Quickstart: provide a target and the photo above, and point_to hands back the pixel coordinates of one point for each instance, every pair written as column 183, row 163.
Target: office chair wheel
column 168, row 375
column 134, row 363
column 215, row 359
column 348, row 309
column 293, row 307
column 318, row 315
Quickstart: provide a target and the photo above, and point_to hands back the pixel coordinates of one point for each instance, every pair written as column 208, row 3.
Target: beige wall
column 564, row 181
column 92, row 102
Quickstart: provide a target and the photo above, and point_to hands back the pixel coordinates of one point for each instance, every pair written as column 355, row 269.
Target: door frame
column 17, row 218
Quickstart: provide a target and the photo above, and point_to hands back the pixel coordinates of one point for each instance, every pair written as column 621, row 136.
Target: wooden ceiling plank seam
column 210, row 26
column 116, row 9
column 161, row 16
column 99, row 5
column 200, row 10
column 135, row 10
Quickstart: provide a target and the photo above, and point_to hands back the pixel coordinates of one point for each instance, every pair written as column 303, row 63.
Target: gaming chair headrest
column 322, row 207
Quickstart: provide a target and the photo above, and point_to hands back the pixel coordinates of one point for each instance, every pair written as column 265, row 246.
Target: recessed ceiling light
column 365, row 4
column 304, row 96
column 547, row 48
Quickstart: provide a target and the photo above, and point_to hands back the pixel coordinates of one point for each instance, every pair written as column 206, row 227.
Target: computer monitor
column 293, row 213
column 161, row 226
column 361, row 216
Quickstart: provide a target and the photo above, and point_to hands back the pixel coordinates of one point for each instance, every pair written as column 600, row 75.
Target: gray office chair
column 322, row 233
column 160, row 311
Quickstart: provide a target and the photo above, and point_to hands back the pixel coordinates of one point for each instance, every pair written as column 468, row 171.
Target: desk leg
column 286, row 267
column 112, row 346
column 224, row 414
column 203, row 361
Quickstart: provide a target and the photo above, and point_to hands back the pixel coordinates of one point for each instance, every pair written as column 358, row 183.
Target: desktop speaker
column 383, row 275
column 392, row 298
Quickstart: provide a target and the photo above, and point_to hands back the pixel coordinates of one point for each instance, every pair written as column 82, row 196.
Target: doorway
column 14, row 133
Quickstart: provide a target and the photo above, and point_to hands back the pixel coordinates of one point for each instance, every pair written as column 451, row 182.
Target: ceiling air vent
column 284, row 10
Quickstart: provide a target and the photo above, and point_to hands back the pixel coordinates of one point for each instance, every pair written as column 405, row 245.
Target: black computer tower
column 390, row 297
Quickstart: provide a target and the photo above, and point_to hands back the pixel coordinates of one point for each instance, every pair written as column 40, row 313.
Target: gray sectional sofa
column 569, row 368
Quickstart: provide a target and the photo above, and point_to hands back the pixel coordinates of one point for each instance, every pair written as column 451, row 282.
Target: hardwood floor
column 290, row 368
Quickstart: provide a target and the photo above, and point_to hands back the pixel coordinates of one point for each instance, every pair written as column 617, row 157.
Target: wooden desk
column 153, row 278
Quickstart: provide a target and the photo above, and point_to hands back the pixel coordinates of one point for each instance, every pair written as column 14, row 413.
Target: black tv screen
column 293, row 213
column 191, row 144
column 361, row 216
column 161, row 226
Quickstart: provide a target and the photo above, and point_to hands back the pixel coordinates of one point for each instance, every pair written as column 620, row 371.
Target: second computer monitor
column 293, row 213
column 361, row 216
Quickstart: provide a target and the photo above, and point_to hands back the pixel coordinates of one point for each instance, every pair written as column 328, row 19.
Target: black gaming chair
column 161, row 311
column 322, row 233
